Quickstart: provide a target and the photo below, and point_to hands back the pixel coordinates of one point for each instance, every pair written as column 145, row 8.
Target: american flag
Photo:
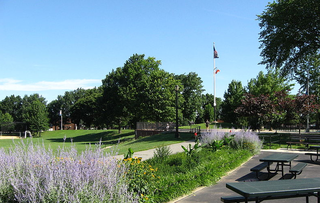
column 215, row 53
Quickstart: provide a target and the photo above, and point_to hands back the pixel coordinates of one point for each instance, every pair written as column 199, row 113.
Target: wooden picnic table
column 277, row 189
column 282, row 159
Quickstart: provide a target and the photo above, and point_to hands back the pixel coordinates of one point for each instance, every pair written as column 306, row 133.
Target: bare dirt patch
column 9, row 137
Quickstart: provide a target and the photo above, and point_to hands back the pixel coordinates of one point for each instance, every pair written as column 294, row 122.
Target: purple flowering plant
column 237, row 139
column 31, row 173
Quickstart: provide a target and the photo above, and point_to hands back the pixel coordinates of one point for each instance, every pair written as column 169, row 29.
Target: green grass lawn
column 83, row 138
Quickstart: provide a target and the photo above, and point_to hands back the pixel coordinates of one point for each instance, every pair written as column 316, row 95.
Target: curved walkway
column 213, row 193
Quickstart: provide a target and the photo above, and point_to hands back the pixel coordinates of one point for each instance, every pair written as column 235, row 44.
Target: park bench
column 297, row 169
column 306, row 140
column 259, row 168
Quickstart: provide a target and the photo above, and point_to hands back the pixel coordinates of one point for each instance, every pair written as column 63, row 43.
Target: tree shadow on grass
column 108, row 137
column 164, row 137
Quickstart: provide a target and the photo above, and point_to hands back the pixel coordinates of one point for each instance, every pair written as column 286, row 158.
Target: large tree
column 86, row 108
column 13, row 106
column 268, row 84
column 139, row 91
column 290, row 33
column 258, row 109
column 232, row 100
column 308, row 74
column 36, row 116
column 208, row 109
column 6, row 122
column 192, row 91
column 64, row 103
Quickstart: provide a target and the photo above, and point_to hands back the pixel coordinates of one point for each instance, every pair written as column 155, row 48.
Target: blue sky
column 49, row 47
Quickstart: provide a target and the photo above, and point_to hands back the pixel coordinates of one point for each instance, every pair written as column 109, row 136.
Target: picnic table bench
column 297, row 169
column 275, row 189
column 238, row 199
column 259, row 168
column 306, row 140
column 314, row 154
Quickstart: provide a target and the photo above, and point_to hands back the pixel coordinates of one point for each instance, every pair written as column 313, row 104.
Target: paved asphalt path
column 214, row 193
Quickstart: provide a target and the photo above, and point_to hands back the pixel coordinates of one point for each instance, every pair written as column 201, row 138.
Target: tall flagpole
column 214, row 84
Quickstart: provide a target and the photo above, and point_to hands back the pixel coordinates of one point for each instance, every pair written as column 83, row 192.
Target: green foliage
column 13, row 106
column 86, row 108
column 227, row 140
column 232, row 100
column 307, row 75
column 190, row 151
column 162, row 152
column 209, row 112
column 191, row 92
column 140, row 91
column 180, row 174
column 129, row 154
column 142, row 178
column 5, row 122
column 268, row 84
column 217, row 145
column 36, row 116
column 289, row 33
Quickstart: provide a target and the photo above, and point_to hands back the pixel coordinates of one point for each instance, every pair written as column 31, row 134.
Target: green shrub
column 142, row 178
column 180, row 174
column 162, row 153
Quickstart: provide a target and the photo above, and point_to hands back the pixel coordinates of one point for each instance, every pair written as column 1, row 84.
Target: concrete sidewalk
column 175, row 148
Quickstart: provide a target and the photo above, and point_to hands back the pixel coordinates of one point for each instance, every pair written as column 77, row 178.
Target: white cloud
column 8, row 84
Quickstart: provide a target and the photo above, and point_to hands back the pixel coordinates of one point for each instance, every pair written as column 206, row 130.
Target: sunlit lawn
column 108, row 138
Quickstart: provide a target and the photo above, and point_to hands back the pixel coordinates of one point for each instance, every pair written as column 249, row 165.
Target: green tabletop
column 279, row 157
column 276, row 187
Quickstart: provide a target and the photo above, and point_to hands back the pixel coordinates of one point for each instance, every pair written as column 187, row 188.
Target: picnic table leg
column 312, row 158
column 282, row 168
column 268, row 169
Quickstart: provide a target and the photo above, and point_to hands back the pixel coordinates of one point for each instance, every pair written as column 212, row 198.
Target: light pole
column 177, row 131
column 61, row 119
